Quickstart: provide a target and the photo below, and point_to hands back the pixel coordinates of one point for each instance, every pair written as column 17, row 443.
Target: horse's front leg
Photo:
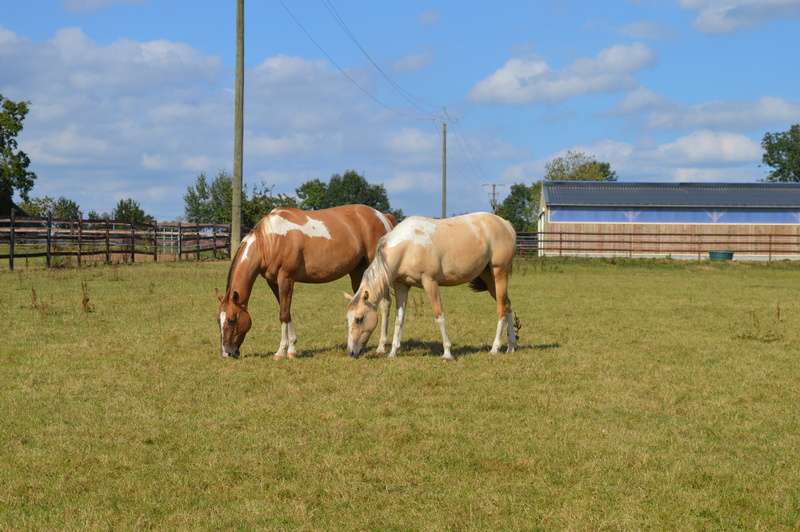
column 288, row 345
column 432, row 289
column 401, row 298
column 384, row 306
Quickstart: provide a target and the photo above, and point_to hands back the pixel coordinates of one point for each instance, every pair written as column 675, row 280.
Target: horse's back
column 322, row 245
column 453, row 250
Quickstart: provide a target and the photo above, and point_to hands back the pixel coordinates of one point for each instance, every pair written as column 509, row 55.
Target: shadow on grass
column 413, row 348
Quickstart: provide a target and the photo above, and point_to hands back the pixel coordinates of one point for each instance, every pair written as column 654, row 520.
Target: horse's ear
column 366, row 295
column 235, row 297
column 347, row 296
column 219, row 295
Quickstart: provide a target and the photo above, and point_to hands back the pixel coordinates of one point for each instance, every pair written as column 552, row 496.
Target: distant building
column 686, row 220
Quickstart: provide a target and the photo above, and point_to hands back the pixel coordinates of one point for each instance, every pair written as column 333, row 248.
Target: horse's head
column 234, row 322
column 362, row 319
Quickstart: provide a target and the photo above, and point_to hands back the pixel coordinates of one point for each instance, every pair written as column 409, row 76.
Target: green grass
column 644, row 395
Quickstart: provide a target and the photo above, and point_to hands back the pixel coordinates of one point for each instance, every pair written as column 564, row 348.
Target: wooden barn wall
column 769, row 241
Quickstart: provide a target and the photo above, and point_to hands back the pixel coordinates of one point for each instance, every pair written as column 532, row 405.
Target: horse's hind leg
column 499, row 290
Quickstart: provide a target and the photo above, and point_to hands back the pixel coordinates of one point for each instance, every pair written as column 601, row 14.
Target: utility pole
column 493, row 194
column 238, row 134
column 444, row 170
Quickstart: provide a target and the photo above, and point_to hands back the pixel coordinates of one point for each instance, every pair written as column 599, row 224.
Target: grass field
column 643, row 395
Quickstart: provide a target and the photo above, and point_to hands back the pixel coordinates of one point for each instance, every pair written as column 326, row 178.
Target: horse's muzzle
column 229, row 354
column 354, row 354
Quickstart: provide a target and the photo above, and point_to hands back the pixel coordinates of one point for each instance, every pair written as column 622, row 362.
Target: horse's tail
column 478, row 285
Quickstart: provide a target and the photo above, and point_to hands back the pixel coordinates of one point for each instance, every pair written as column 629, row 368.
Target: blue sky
column 134, row 98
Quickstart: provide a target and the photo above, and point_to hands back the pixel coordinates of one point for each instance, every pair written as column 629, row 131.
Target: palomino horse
column 290, row 245
column 426, row 253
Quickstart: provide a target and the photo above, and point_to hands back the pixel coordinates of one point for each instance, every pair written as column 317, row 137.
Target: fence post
column 133, row 241
column 197, row 239
column 108, row 244
column 214, row 239
column 180, row 241
column 155, row 241
column 49, row 237
column 11, row 241
column 80, row 236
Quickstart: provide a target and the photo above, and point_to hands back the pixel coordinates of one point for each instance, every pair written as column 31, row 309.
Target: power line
column 405, row 94
column 342, row 70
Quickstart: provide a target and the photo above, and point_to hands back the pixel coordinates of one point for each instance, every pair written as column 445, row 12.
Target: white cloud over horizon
column 529, row 79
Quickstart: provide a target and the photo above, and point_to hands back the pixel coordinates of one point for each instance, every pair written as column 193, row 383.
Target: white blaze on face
column 278, row 225
column 223, row 317
column 248, row 241
column 415, row 230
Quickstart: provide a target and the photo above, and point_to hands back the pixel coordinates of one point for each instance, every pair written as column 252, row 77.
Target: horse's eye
column 232, row 322
column 360, row 320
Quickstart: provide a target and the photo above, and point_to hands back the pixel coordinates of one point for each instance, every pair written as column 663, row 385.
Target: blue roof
column 620, row 194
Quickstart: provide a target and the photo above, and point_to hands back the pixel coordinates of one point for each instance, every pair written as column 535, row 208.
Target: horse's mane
column 377, row 274
column 235, row 260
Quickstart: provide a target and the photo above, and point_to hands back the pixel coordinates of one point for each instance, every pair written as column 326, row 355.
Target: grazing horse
column 427, row 253
column 290, row 245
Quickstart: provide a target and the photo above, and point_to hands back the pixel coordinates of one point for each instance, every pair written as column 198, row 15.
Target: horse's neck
column 244, row 273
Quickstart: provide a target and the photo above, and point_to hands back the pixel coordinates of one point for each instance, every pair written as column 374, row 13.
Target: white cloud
column 414, row 62
column 707, row 149
column 661, row 113
column 726, row 16
column 649, row 30
column 429, row 18
column 529, row 79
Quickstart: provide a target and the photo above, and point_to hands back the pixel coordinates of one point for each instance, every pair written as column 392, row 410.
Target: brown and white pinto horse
column 427, row 253
column 290, row 245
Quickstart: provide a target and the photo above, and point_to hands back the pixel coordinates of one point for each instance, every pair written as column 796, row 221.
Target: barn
column 747, row 221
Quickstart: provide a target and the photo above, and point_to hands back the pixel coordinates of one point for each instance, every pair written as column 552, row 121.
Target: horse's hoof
column 292, row 355
column 278, row 356
column 448, row 359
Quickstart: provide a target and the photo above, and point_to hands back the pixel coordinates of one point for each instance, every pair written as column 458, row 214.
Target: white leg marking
column 292, row 337
column 281, row 352
column 498, row 335
column 400, row 316
column 512, row 337
column 440, row 321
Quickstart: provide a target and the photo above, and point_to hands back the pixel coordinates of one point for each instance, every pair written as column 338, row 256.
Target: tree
column 14, row 173
column 63, row 208
column 312, row 194
column 577, row 166
column 129, row 210
column 209, row 203
column 345, row 189
column 261, row 202
column 782, row 153
column 520, row 206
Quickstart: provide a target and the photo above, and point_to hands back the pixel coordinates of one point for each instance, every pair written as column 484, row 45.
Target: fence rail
column 762, row 246
column 128, row 241
column 108, row 239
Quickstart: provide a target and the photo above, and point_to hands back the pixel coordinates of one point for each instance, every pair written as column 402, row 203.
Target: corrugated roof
column 617, row 194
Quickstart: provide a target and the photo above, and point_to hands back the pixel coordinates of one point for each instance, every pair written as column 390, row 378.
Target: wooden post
column 80, row 236
column 180, row 241
column 197, row 239
column 11, row 241
column 108, row 244
column 155, row 241
column 49, row 237
column 214, row 239
column 133, row 241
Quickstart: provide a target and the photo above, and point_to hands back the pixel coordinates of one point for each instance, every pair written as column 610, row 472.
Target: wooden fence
column 107, row 240
column 113, row 240
column 755, row 246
